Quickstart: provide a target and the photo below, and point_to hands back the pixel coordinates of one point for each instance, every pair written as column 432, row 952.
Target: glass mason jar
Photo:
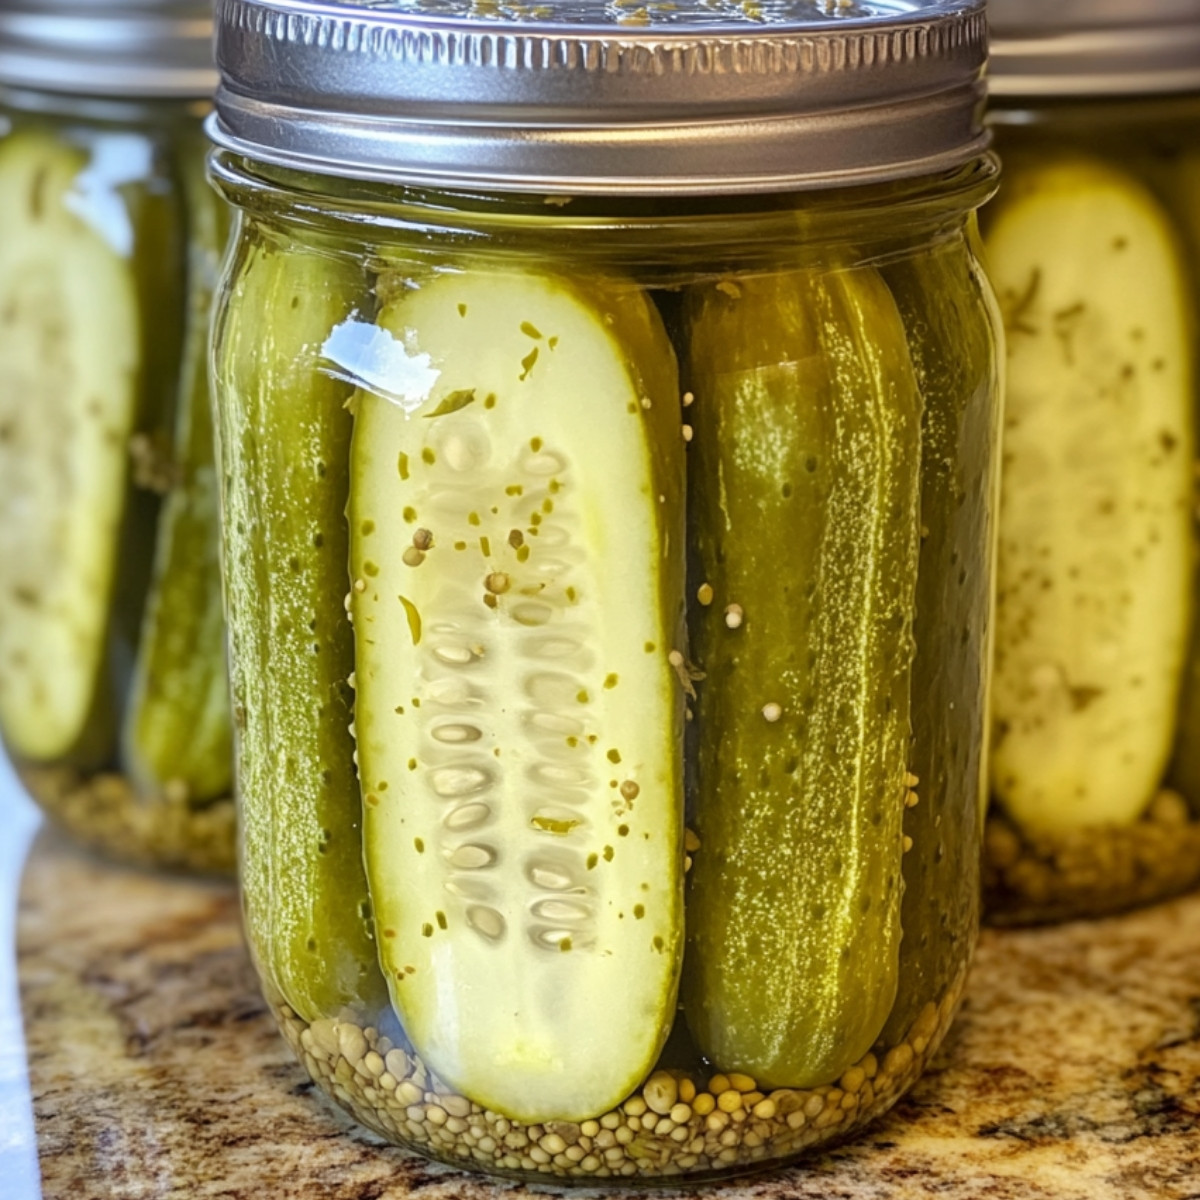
column 608, row 565
column 113, row 687
column 1094, row 249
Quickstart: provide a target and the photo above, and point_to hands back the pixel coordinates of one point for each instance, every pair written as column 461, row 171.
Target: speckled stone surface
column 155, row 1070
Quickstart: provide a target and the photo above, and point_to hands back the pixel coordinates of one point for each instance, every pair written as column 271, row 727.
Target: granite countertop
column 154, row 1070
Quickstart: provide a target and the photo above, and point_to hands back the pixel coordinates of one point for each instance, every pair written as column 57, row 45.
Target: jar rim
column 743, row 228
column 383, row 93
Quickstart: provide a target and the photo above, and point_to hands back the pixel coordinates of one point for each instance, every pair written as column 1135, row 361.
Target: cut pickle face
column 516, row 547
column 69, row 357
column 1096, row 546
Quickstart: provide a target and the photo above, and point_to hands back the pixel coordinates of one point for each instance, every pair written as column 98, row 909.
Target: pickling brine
column 609, row 587
column 113, row 690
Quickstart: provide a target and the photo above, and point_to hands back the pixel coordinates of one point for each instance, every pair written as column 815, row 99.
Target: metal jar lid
column 1094, row 47
column 604, row 96
column 109, row 48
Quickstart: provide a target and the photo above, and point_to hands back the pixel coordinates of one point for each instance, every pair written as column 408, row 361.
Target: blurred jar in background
column 113, row 700
column 1094, row 248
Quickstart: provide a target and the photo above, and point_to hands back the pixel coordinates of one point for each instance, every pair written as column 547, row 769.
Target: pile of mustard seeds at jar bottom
column 107, row 814
column 673, row 1124
column 1031, row 877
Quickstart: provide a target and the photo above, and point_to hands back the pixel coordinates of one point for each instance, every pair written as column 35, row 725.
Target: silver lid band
column 380, row 94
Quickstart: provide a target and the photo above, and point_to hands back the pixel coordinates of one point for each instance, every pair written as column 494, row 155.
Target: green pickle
column 1096, row 545
column 807, row 452
column 955, row 358
column 68, row 406
column 113, row 688
column 304, row 893
column 500, row 636
column 178, row 725
column 1095, row 777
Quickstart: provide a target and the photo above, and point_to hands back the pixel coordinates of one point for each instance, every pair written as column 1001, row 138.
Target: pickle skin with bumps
column 517, row 552
column 284, row 438
column 1096, row 544
column 804, row 482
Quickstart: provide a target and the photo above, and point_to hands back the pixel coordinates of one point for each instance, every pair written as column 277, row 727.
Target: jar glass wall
column 113, row 689
column 609, row 586
column 1094, row 249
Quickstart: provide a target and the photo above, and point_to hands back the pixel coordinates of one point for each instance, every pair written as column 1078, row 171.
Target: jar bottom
column 1036, row 878
column 674, row 1125
column 104, row 812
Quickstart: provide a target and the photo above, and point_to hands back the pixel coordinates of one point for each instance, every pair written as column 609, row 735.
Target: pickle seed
column 688, row 399
column 646, row 402
column 734, row 615
column 412, row 557
column 704, row 593
column 687, row 433
column 772, row 712
column 422, row 539
column 497, row 583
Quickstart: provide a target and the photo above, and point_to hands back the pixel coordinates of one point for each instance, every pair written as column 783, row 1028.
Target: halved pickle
column 285, row 440
column 69, row 362
column 804, row 490
column 1096, row 552
column 178, row 725
column 517, row 551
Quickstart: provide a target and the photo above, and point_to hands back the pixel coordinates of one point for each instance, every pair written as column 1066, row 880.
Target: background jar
column 113, row 689
column 614, row 814
column 1094, row 249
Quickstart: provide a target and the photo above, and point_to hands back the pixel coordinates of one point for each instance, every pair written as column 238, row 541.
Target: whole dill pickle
column 954, row 352
column 178, row 726
column 284, row 443
column 805, row 478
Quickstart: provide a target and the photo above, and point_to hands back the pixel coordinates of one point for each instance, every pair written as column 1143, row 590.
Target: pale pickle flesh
column 69, row 362
column 1095, row 566
column 517, row 551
